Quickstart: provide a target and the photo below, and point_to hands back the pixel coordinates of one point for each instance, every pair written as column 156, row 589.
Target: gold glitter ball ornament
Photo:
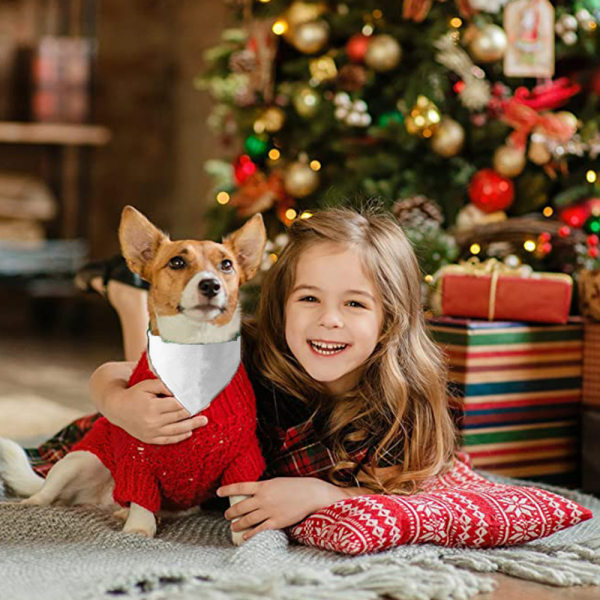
column 383, row 53
column 300, row 180
column 488, row 44
column 509, row 161
column 449, row 138
column 424, row 118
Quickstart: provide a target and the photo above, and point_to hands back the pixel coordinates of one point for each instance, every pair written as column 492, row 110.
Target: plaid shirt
column 290, row 445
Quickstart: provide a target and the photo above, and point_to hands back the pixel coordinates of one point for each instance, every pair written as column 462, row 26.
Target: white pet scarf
column 194, row 373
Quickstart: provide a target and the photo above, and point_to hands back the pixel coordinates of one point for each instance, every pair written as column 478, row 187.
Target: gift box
column 591, row 366
column 517, row 392
column 493, row 291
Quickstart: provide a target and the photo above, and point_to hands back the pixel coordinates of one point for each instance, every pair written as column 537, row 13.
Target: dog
column 194, row 348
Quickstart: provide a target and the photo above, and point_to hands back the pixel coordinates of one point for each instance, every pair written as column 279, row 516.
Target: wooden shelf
column 53, row 133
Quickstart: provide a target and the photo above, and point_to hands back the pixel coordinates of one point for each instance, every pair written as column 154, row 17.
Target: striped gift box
column 591, row 365
column 518, row 390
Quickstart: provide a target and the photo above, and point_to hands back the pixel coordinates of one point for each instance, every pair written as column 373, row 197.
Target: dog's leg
column 236, row 536
column 65, row 478
column 16, row 471
column 140, row 520
column 122, row 513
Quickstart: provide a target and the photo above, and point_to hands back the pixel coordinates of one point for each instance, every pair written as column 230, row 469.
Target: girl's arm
column 146, row 411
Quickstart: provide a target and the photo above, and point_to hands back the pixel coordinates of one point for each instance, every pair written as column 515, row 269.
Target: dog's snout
column 209, row 287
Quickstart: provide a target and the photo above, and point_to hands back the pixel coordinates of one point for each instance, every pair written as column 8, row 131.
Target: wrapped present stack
column 589, row 305
column 516, row 385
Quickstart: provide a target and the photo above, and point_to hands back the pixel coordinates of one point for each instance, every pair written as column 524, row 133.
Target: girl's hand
column 277, row 503
column 146, row 411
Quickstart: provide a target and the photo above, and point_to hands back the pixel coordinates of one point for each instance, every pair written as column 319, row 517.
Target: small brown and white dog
column 194, row 347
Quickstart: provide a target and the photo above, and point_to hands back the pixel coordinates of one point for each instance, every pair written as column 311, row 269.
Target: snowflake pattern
column 459, row 508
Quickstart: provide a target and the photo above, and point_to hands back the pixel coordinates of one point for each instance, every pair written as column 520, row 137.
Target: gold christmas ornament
column 509, row 161
column 306, row 101
column 424, row 118
column 449, row 138
column 323, row 69
column 309, row 37
column 300, row 180
column 303, row 12
column 271, row 120
column 538, row 151
column 488, row 44
column 383, row 53
column 569, row 119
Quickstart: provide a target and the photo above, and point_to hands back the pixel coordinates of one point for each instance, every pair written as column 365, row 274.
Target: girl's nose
column 331, row 318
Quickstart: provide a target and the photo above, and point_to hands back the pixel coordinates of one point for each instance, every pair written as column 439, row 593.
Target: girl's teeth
column 327, row 349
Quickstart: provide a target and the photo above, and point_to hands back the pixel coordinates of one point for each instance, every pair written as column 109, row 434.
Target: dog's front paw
column 122, row 513
column 141, row 521
column 149, row 532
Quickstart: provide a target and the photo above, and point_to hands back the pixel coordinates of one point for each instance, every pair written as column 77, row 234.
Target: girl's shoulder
column 273, row 406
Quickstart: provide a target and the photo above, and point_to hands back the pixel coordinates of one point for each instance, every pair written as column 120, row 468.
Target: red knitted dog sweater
column 182, row 475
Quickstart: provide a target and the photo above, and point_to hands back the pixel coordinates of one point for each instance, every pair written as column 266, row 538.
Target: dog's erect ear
column 248, row 245
column 139, row 240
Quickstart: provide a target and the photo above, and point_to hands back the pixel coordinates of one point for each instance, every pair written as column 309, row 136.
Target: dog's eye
column 177, row 262
column 226, row 266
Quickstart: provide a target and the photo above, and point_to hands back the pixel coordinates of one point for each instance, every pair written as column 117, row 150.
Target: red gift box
column 493, row 291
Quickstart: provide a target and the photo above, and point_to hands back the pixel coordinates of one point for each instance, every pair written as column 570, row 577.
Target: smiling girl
column 350, row 390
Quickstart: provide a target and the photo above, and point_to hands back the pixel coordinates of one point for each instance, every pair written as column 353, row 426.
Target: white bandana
column 194, row 373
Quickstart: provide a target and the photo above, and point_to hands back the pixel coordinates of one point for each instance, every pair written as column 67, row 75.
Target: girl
column 350, row 390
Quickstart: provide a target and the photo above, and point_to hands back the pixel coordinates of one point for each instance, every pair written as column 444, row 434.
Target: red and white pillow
column 460, row 508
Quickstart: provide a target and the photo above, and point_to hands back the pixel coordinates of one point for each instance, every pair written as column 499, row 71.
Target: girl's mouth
column 327, row 348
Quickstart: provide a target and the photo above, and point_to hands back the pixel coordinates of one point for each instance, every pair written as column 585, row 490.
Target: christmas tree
column 476, row 122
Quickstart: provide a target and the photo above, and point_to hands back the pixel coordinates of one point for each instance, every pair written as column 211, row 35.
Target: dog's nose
column 209, row 287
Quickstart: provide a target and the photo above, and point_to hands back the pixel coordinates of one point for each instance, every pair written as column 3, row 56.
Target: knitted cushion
column 459, row 508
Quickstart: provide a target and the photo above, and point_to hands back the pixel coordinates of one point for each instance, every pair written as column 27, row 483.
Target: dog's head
column 193, row 284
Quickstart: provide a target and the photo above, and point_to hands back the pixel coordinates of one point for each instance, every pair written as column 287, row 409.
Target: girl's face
column 333, row 316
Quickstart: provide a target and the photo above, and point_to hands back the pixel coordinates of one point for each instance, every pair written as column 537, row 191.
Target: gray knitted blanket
column 80, row 553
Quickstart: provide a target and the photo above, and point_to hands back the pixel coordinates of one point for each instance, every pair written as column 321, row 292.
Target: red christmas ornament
column 592, row 240
column 459, row 86
column 575, row 216
column 490, row 192
column 356, row 48
column 243, row 168
column 593, row 252
column 546, row 248
column 564, row 231
column 544, row 237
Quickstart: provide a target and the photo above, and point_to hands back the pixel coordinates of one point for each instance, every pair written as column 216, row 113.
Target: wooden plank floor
column 55, row 368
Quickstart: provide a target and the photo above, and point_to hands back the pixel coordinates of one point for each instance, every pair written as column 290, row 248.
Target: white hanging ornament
column 565, row 28
column 352, row 112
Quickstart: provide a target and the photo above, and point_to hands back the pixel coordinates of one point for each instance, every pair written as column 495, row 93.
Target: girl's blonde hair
column 398, row 412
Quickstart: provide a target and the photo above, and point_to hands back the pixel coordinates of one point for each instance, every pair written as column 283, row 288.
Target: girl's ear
column 140, row 241
column 248, row 246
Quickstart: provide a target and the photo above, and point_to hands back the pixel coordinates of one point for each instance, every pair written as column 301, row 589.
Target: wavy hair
column 398, row 412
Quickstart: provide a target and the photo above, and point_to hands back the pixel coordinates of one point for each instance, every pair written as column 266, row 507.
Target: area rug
column 80, row 553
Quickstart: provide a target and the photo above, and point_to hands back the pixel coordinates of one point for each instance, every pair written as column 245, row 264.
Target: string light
column 367, row 30
column 428, row 278
column 529, row 245
column 377, row 14
column 290, row 214
column 315, row 165
column 274, row 154
column 548, row 211
column 455, row 22
column 306, row 215
column 280, row 27
column 475, row 249
column 273, row 257
column 223, row 197
column 591, row 176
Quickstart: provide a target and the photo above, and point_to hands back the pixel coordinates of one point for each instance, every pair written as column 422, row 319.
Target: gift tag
column 529, row 27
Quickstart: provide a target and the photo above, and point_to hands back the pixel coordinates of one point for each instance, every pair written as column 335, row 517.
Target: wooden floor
column 44, row 371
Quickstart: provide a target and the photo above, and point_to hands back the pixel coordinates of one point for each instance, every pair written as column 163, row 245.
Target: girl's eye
column 226, row 266
column 355, row 304
column 308, row 299
column 177, row 262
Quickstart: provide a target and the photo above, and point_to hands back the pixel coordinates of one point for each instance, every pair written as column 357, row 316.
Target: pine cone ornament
column 418, row 211
column 352, row 78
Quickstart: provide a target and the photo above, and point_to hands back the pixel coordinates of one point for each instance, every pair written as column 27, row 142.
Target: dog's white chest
column 194, row 373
